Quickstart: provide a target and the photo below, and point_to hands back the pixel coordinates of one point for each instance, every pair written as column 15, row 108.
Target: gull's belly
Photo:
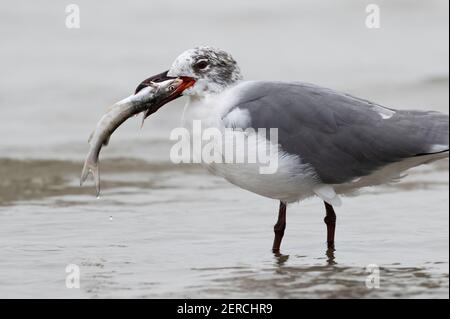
column 278, row 175
column 282, row 185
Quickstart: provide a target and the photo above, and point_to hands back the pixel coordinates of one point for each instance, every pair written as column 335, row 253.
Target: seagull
column 329, row 143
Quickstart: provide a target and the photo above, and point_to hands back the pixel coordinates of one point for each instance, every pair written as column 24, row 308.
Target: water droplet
column 110, row 218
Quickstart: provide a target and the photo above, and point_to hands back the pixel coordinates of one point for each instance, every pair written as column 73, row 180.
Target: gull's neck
column 209, row 106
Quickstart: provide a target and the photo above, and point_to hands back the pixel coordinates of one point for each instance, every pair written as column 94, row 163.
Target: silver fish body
column 117, row 114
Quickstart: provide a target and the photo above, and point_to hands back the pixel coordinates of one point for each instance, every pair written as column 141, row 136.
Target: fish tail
column 91, row 167
column 84, row 173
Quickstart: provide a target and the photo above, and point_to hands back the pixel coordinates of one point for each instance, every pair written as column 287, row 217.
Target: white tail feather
column 327, row 194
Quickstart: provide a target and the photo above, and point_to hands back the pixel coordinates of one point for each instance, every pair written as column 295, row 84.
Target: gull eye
column 202, row 64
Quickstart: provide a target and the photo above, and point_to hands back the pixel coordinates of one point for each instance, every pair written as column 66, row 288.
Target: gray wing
column 341, row 136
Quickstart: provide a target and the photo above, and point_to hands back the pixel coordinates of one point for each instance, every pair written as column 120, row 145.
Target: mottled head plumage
column 212, row 68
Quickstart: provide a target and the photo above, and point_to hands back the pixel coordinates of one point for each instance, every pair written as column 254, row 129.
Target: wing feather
column 341, row 136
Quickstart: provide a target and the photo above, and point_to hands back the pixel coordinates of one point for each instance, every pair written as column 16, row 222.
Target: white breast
column 290, row 181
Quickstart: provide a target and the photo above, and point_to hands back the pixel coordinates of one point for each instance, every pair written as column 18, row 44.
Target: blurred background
column 170, row 231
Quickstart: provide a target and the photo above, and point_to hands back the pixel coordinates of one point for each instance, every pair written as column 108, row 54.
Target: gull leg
column 279, row 228
column 330, row 220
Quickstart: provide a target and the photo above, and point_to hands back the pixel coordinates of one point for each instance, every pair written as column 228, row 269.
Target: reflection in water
column 280, row 259
column 330, row 256
column 319, row 281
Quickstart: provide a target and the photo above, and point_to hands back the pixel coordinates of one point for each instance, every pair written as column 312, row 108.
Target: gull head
column 212, row 69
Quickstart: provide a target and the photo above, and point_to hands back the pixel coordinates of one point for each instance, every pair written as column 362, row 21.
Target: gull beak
column 161, row 77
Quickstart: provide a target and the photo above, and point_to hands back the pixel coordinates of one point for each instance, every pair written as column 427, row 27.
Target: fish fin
column 145, row 114
column 84, row 173
column 91, row 168
column 143, row 119
column 96, row 174
column 327, row 194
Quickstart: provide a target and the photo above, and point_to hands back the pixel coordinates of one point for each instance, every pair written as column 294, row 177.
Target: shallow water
column 163, row 230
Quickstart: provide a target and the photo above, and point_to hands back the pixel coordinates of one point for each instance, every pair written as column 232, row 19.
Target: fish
column 147, row 100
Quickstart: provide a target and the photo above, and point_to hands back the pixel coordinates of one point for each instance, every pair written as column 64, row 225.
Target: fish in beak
column 150, row 95
column 186, row 82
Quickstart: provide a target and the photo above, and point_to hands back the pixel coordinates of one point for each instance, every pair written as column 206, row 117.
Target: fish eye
column 171, row 88
column 201, row 64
